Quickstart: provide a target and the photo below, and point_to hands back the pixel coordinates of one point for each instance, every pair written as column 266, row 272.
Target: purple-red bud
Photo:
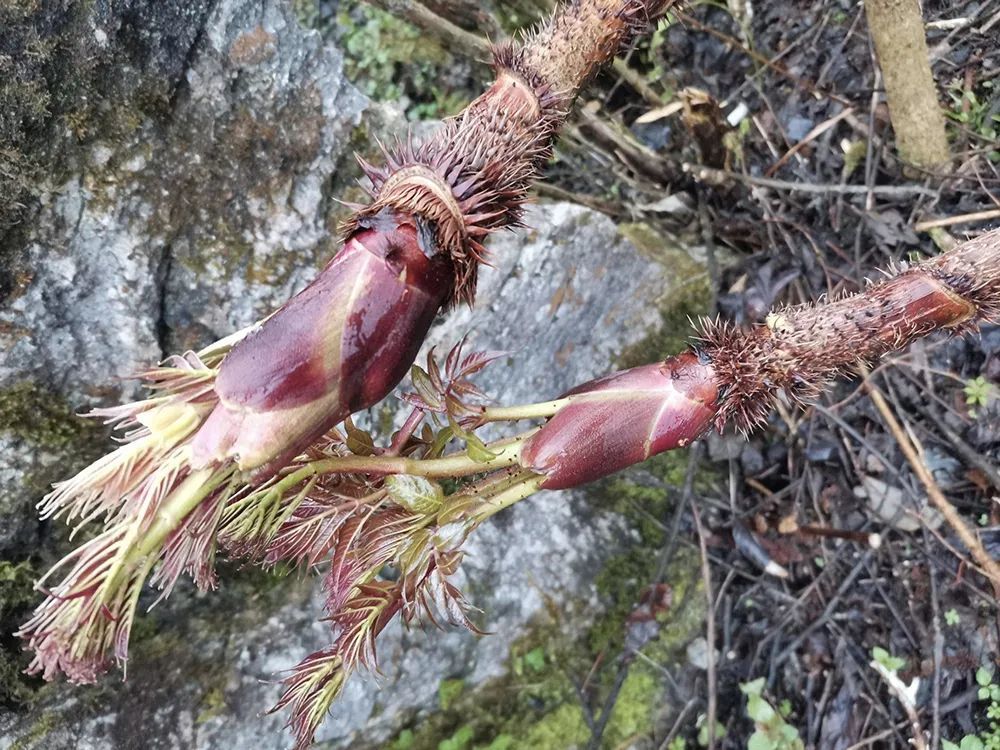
column 613, row 422
column 339, row 346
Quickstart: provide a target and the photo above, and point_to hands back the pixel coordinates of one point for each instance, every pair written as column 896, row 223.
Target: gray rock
column 199, row 201
column 183, row 229
column 135, row 255
column 196, row 224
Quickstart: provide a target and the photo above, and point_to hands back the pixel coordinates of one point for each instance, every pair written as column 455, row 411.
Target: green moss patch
column 686, row 300
column 16, row 597
column 35, row 415
column 390, row 59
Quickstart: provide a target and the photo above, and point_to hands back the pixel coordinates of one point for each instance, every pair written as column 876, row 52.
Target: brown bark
column 897, row 29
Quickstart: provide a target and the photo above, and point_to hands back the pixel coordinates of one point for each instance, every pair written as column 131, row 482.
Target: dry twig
column 987, row 565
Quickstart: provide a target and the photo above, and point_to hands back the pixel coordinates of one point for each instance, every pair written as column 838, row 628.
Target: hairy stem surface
column 798, row 349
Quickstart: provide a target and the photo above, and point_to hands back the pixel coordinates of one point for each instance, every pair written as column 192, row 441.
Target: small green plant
column 988, row 738
column 501, row 742
column 988, row 690
column 969, row 742
column 449, row 691
column 535, row 659
column 531, row 662
column 404, row 741
column 973, row 111
column 379, row 48
column 458, row 741
column 887, row 660
column 702, row 725
column 977, row 393
column 650, row 58
column 772, row 732
column 854, row 155
column 951, row 617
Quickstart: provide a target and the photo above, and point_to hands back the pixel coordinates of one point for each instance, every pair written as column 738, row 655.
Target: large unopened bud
column 622, row 419
column 339, row 346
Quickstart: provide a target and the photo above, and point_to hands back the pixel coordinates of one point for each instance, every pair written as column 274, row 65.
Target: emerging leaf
column 88, row 616
column 453, row 393
column 416, row 494
column 155, row 432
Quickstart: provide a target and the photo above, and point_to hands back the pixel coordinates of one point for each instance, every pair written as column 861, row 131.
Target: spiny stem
column 584, row 36
column 798, row 349
column 472, row 176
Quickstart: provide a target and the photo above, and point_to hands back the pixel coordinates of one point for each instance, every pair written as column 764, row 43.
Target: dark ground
column 840, row 209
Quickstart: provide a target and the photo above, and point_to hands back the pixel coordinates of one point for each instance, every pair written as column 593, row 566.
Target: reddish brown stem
column 347, row 340
column 471, row 178
column 862, row 537
column 399, row 440
column 798, row 349
column 616, row 421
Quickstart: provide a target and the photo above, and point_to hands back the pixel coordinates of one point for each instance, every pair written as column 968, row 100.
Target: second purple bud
column 613, row 422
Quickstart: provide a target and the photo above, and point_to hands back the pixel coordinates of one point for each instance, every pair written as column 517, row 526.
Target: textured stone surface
column 189, row 225
column 196, row 223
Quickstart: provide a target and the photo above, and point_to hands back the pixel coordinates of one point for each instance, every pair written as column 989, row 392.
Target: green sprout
column 989, row 737
column 973, row 112
column 977, row 392
column 887, row 660
column 771, row 731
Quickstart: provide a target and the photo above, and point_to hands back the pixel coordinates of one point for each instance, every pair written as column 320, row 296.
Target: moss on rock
column 44, row 62
column 67, row 77
column 48, row 427
column 686, row 300
column 44, row 725
column 60, row 442
column 33, row 414
column 563, row 727
column 16, row 596
column 392, row 60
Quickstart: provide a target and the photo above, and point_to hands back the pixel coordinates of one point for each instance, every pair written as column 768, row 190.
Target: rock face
column 194, row 222
column 186, row 226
